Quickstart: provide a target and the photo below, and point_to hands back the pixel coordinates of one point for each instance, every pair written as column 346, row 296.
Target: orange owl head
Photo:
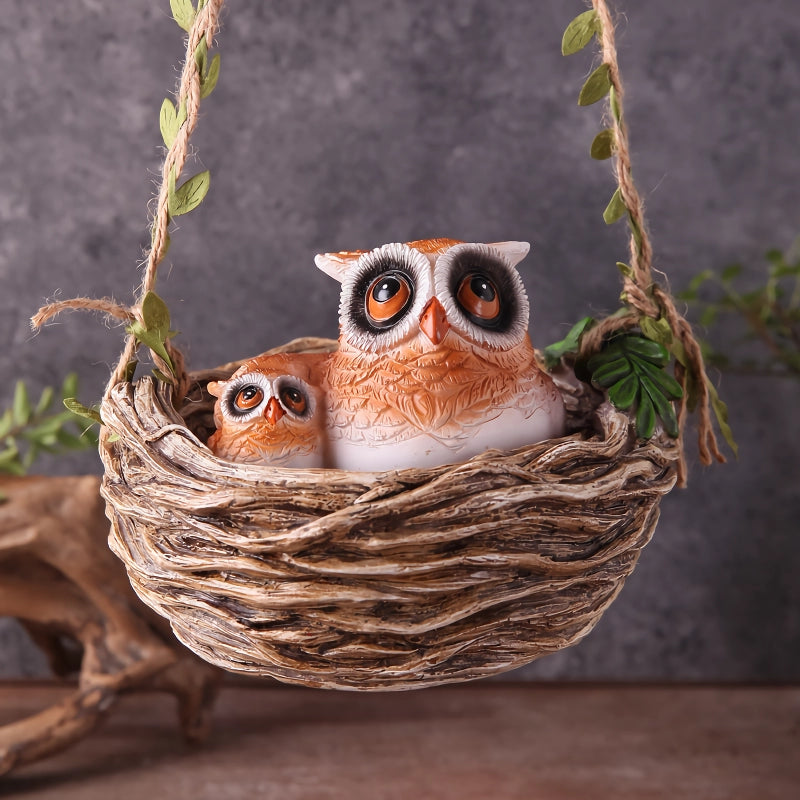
column 431, row 294
column 271, row 411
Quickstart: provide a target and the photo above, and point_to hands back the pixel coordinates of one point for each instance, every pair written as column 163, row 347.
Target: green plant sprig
column 770, row 311
column 28, row 429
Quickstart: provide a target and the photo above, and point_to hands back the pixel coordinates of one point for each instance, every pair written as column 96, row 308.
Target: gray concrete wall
column 342, row 125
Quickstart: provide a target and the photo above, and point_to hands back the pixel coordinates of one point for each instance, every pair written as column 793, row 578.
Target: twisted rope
column 643, row 296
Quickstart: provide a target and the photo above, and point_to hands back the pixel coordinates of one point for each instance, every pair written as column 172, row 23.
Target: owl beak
column 273, row 411
column 433, row 321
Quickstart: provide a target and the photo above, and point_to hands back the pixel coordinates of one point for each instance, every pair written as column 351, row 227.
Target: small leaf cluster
column 153, row 331
column 631, row 369
column 660, row 344
column 770, row 311
column 28, row 429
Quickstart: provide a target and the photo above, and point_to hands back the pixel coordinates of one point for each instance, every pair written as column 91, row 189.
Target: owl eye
column 388, row 297
column 293, row 400
column 478, row 297
column 248, row 397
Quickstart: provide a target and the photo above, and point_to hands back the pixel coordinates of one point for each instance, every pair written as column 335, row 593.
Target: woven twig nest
column 376, row 581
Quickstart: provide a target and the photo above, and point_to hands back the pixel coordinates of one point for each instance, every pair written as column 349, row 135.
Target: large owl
column 272, row 411
column 435, row 364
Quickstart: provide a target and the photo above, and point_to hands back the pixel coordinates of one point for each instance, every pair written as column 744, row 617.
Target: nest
column 367, row 580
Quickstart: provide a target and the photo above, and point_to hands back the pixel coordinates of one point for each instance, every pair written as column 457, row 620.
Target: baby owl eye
column 248, row 397
column 388, row 297
column 293, row 400
column 479, row 298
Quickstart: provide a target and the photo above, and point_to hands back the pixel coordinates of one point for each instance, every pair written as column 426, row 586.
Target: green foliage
column 615, row 209
column 188, row 195
column 154, row 329
column 631, row 368
column 580, row 32
column 603, row 145
column 770, row 311
column 596, row 87
column 183, row 12
column 28, row 429
column 568, row 345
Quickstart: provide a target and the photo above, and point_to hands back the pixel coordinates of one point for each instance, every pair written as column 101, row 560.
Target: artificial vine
column 614, row 352
column 28, row 429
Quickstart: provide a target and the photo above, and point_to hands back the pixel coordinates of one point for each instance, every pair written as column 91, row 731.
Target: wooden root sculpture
column 58, row 577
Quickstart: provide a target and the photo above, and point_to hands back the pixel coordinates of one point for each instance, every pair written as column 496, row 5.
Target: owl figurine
column 435, row 364
column 272, row 411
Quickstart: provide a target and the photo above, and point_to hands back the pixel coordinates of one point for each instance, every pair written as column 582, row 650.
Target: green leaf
column 209, row 80
column 662, row 405
column 579, row 32
column 569, row 344
column 596, row 87
column 657, row 329
column 200, row 55
column 155, row 314
column 645, row 416
column 168, row 122
column 611, row 372
column 6, row 423
column 130, row 370
column 45, row 401
column 80, row 410
column 151, row 339
column 613, row 104
column 623, row 394
column 647, row 349
column 615, row 209
column 183, row 13
column 603, row 145
column 188, row 196
column 721, row 413
column 22, row 408
column 626, row 270
column 667, row 385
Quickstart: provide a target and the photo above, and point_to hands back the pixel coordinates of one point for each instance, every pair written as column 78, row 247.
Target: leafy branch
column 770, row 311
column 28, row 429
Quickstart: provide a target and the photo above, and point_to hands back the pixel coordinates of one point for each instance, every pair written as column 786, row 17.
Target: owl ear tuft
column 215, row 388
column 337, row 265
column 513, row 251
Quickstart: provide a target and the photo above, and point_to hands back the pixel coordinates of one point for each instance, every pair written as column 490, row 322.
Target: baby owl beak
column 273, row 411
column 433, row 321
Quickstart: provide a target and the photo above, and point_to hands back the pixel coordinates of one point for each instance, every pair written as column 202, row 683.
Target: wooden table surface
column 489, row 740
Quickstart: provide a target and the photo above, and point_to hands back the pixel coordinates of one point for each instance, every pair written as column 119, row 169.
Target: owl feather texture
column 434, row 366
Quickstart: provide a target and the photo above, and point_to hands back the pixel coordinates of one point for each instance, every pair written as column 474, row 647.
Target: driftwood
column 377, row 580
column 58, row 577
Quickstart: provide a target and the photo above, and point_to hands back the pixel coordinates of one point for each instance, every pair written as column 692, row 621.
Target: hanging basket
column 389, row 580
